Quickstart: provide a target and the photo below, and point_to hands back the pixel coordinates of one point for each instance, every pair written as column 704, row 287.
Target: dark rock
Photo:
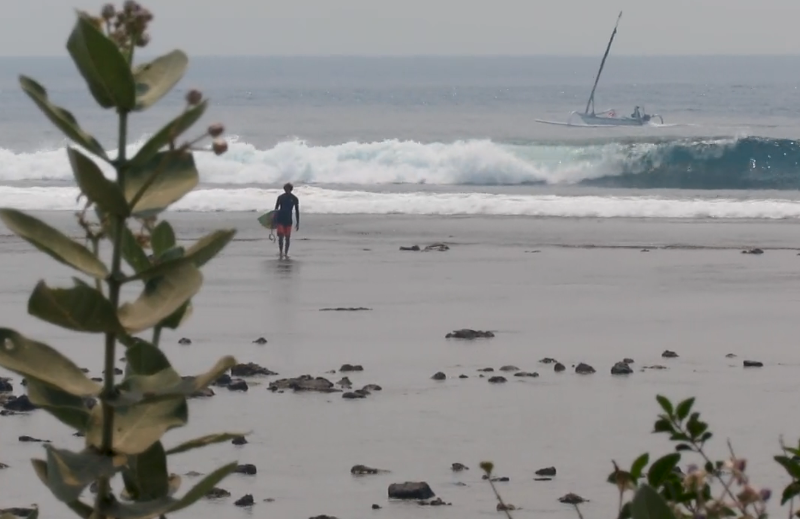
column 3, row 466
column 627, row 360
column 497, row 380
column 463, row 376
column 731, row 356
column 239, row 440
column 753, row 251
column 362, row 470
column 656, row 366
column 469, row 334
column 558, row 368
column 217, row 493
column 203, row 393
column 260, row 340
column 350, row 367
column 547, row 471
column 323, row 517
column 250, row 370
column 584, row 369
column 458, row 467
column 435, row 502
column 86, row 370
column 352, row 395
column 505, row 507
column 509, row 368
column 223, row 381
column 269, row 500
column 304, row 383
column 376, row 507
column 439, row 376
column 412, row 248
column 621, row 368
column 526, row 374
column 117, row 371
column 645, row 250
column 753, row 364
column 345, row 382
column 669, row 354
column 346, row 309
column 572, row 499
column 20, row 404
column 25, row 382
column 501, row 479
column 548, row 360
column 79, row 434
column 5, row 412
column 245, row 500
column 17, row 511
column 410, row 490
column 248, row 469
column 184, row 341
column 372, row 387
column 543, row 479
column 5, row 385
column 486, row 370
column 438, row 247
column 238, row 384
column 32, row 440
column 95, row 379
column 193, row 474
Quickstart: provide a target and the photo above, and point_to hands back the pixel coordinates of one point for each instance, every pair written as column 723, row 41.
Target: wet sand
column 588, row 295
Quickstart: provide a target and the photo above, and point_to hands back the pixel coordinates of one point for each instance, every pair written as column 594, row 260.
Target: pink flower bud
column 219, row 146
column 216, row 129
column 194, row 97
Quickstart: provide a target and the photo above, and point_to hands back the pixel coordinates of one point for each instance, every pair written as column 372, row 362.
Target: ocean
column 582, row 244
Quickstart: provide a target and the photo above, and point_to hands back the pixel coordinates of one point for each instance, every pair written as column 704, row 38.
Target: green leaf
column 203, row 441
column 69, row 473
column 790, row 492
column 161, row 298
column 168, row 505
column 160, row 182
column 662, row 468
column 155, row 79
column 663, row 425
column 97, row 188
column 35, row 360
column 180, row 316
column 68, row 409
column 625, row 512
column 167, row 384
column 138, row 427
column 133, row 253
column 100, row 62
column 61, row 118
column 81, row 308
column 638, row 466
column 684, row 408
column 163, row 238
column 169, row 133
column 209, row 246
column 146, row 359
column 647, row 504
column 695, row 427
column 792, row 467
column 146, row 476
column 53, row 243
column 665, row 404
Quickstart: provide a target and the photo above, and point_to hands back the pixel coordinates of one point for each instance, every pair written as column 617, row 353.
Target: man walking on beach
column 283, row 219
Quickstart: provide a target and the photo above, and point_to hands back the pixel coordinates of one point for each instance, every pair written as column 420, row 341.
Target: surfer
column 283, row 218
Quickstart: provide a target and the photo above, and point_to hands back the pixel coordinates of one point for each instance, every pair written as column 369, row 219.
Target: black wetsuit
column 285, row 205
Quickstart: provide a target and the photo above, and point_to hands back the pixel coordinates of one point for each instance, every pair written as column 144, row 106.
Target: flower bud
column 219, row 146
column 194, row 97
column 765, row 494
column 130, row 5
column 216, row 129
column 142, row 40
column 108, row 12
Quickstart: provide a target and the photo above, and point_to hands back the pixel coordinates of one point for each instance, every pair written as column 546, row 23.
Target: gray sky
column 395, row 27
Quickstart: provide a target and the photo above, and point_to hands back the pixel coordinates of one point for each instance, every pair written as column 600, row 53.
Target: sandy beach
column 578, row 290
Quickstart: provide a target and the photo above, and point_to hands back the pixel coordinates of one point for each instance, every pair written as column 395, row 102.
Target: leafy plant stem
column 578, row 510
column 499, row 499
column 156, row 336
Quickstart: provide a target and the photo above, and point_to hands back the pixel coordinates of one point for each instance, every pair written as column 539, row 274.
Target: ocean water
column 547, row 227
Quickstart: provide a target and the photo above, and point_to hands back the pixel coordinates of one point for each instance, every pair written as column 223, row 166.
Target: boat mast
column 602, row 63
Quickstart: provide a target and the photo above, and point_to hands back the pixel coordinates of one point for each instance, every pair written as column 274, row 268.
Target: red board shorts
column 284, row 230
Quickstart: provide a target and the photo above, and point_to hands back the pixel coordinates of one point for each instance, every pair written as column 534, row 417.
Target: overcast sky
column 403, row 27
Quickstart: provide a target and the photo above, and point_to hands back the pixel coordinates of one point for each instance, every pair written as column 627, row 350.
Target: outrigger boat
column 610, row 117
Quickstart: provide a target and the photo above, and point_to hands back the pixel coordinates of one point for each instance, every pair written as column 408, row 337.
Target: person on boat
column 636, row 114
column 283, row 218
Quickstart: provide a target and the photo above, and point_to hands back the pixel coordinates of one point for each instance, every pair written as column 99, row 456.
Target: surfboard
column 267, row 220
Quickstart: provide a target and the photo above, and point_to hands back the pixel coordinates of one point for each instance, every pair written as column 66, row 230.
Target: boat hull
column 598, row 120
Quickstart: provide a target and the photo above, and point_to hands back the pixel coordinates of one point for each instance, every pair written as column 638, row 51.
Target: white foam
column 481, row 162
column 317, row 200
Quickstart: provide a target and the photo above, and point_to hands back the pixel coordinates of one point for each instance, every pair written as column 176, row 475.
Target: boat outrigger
column 610, row 117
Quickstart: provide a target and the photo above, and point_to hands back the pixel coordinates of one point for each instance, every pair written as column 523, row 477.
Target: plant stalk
column 114, row 284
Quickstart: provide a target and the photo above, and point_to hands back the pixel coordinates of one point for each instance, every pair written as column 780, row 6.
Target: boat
column 609, row 117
